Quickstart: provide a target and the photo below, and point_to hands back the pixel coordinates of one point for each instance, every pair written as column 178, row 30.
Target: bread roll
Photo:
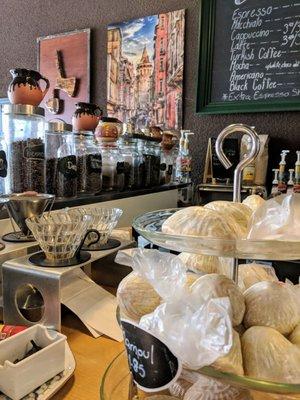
column 200, row 221
column 268, row 355
column 233, row 361
column 238, row 211
column 136, row 297
column 213, row 285
column 295, row 336
column 271, row 304
column 253, row 201
column 249, row 274
column 205, row 264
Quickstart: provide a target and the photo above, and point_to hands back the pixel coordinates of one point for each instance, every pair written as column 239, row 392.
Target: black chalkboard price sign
column 249, row 56
column 153, row 366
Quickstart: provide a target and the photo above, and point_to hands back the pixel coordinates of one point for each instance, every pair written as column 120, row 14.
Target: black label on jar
column 35, row 152
column 153, row 366
column 3, row 164
column 94, row 163
column 120, row 168
column 170, row 169
column 67, row 166
column 163, row 166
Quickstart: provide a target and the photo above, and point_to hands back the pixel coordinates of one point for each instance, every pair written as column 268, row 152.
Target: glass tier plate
column 116, row 384
column 149, row 226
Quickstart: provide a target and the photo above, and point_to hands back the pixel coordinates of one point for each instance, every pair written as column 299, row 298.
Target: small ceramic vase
column 86, row 117
column 108, row 130
column 25, row 88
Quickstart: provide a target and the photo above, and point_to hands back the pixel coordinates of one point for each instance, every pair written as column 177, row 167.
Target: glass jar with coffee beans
column 113, row 177
column 24, row 131
column 89, row 163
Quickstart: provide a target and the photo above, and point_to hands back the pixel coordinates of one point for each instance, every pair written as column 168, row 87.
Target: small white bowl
column 17, row 380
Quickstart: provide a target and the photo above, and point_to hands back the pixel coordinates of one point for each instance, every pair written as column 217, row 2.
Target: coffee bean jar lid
column 83, row 134
column 23, row 109
column 58, row 125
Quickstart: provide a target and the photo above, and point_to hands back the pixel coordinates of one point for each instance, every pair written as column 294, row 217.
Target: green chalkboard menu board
column 249, row 56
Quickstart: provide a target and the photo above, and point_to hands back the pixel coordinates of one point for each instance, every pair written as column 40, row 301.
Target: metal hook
column 255, row 145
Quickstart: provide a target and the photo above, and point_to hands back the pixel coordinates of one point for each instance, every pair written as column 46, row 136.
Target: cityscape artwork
column 145, row 60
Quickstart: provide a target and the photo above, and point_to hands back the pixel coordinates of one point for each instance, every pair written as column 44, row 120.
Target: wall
column 22, row 21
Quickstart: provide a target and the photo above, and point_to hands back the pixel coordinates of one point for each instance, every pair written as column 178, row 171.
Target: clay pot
column 108, row 130
column 155, row 131
column 167, row 141
column 25, row 88
column 86, row 117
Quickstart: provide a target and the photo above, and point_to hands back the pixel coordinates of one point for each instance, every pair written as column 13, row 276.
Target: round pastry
column 136, row 297
column 200, row 221
column 212, row 286
column 205, row 264
column 268, row 355
column 295, row 336
column 238, row 211
column 162, row 397
column 211, row 389
column 253, row 201
column 233, row 361
column 249, row 274
column 272, row 304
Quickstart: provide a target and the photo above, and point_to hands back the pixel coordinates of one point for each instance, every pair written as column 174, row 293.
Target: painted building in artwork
column 114, row 52
column 144, row 71
column 175, row 68
column 126, row 87
column 160, row 71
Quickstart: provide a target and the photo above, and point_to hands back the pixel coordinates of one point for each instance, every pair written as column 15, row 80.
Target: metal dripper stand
column 248, row 159
column 21, row 206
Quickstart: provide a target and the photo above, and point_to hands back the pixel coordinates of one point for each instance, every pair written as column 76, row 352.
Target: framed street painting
column 145, row 62
column 249, row 56
column 65, row 60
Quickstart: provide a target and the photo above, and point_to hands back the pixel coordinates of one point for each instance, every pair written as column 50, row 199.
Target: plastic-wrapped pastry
column 295, row 336
column 253, row 201
column 200, row 221
column 162, row 397
column 268, row 355
column 233, row 361
column 136, row 297
column 206, row 264
column 272, row 304
column 211, row 389
column 249, row 274
column 213, row 286
column 238, row 211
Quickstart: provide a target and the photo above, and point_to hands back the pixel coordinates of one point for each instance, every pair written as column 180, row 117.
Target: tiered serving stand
column 149, row 226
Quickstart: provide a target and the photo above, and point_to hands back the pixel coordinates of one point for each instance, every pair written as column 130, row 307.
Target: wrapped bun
column 268, row 355
column 212, row 286
column 205, row 264
column 253, row 201
column 200, row 221
column 233, row 361
column 249, row 274
column 136, row 297
column 271, row 304
column 206, row 388
column 295, row 336
column 240, row 213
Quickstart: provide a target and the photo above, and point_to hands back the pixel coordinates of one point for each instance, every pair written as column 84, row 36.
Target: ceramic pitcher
column 86, row 116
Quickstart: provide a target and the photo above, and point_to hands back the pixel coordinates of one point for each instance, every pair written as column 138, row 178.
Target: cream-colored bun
column 249, row 274
column 271, row 304
column 253, row 201
column 136, row 297
column 268, row 355
column 191, row 278
column 238, row 211
column 295, row 336
column 212, row 286
column 233, row 361
column 200, row 221
column 205, row 264
column 211, row 389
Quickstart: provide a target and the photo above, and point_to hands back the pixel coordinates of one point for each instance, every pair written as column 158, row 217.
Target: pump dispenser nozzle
column 275, row 180
column 187, row 142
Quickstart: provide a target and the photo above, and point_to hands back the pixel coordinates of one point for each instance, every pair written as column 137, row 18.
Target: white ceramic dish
column 19, row 379
column 49, row 388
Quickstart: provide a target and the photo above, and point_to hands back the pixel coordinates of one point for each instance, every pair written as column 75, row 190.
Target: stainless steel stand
column 248, row 159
